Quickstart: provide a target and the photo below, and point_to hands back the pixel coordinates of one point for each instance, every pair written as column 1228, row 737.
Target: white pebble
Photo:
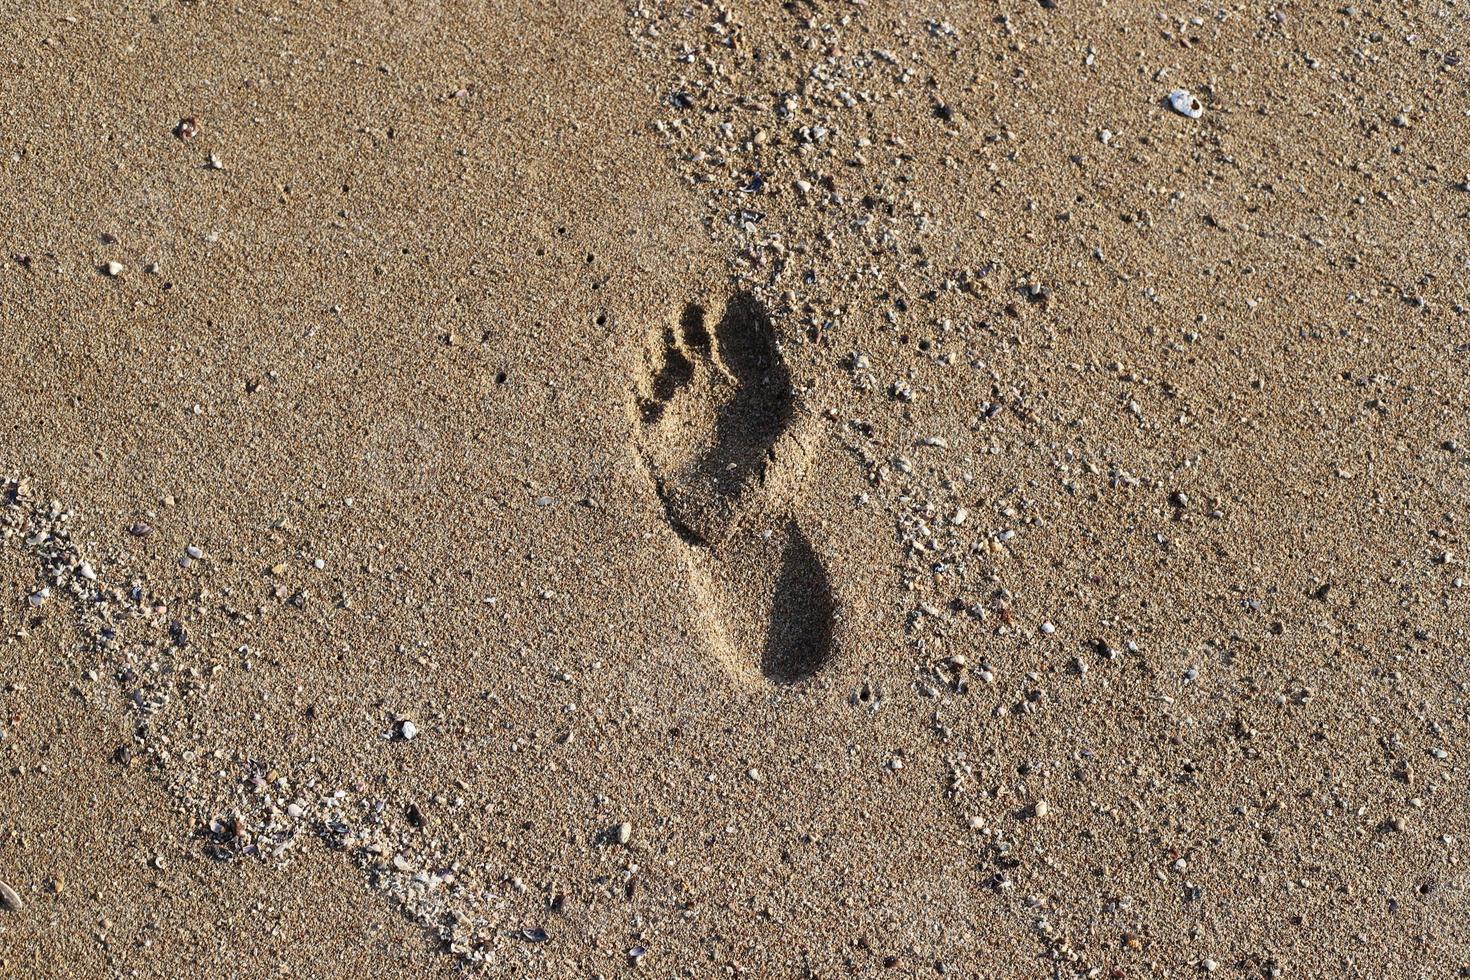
column 408, row 730
column 1185, row 104
column 113, row 268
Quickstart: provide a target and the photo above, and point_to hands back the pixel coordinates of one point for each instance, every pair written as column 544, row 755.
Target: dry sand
column 828, row 489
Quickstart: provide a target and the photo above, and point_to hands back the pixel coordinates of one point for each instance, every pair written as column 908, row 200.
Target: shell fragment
column 1182, row 102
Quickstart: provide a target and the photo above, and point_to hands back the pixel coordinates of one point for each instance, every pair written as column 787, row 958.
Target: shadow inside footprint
column 675, row 373
column 760, row 409
column 799, row 637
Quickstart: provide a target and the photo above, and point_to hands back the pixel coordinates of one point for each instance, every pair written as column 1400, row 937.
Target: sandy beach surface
column 822, row 489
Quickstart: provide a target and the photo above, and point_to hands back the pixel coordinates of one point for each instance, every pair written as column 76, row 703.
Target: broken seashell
column 1185, row 104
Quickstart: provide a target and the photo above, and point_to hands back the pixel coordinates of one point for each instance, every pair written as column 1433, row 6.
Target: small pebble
column 113, row 268
column 408, row 730
column 623, row 832
column 1185, row 104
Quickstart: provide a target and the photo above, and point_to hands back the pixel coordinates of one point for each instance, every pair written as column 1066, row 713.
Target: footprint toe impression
column 719, row 440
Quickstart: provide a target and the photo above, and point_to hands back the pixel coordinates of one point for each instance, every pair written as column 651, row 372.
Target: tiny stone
column 1041, row 809
column 408, row 730
column 623, row 832
column 113, row 268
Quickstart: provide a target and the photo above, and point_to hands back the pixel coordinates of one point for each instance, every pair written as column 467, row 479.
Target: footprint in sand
column 724, row 443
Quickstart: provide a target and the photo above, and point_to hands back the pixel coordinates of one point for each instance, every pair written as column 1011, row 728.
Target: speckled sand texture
column 832, row 489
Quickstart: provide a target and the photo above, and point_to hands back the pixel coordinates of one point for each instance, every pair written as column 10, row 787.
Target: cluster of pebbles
column 134, row 654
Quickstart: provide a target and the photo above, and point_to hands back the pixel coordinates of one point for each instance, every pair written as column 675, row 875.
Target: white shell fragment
column 1185, row 104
